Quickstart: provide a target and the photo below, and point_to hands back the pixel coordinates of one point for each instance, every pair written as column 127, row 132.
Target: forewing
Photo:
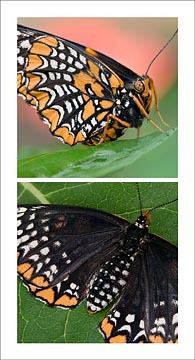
column 127, row 75
column 72, row 90
column 147, row 309
column 61, row 247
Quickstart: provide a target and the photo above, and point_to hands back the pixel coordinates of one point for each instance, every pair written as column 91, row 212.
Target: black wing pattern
column 147, row 310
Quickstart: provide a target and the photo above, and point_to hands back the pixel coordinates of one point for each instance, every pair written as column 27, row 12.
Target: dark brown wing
column 61, row 247
column 147, row 309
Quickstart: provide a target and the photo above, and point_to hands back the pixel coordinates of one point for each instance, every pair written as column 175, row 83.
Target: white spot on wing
column 130, row 318
column 70, row 59
column 61, row 45
column 68, row 106
column 44, row 251
column 22, row 209
column 59, row 90
column 73, row 89
column 78, row 65
column 125, row 272
column 67, row 91
column 141, row 324
column 73, row 286
column 126, row 328
column 53, row 269
column 104, row 79
column 20, row 60
column 62, row 56
column 25, row 44
column 67, row 77
column 175, row 319
column 44, row 238
column 83, row 59
column 160, row 321
column 62, row 66
column 34, row 257
column 117, row 314
column 72, row 51
column 47, row 260
column 30, row 226
column 51, row 75
column 39, row 266
column 54, row 64
column 71, row 69
column 80, row 99
column 64, row 255
column 75, row 103
column 32, row 216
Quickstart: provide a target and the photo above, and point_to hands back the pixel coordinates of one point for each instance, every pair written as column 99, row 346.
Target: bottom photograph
column 97, row 262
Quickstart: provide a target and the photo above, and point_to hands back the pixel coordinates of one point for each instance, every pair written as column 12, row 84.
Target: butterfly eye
column 139, row 86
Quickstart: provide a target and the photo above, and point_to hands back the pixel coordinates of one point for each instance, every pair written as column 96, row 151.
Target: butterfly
column 68, row 253
column 83, row 95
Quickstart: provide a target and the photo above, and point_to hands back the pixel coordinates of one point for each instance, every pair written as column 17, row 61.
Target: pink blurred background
column 131, row 41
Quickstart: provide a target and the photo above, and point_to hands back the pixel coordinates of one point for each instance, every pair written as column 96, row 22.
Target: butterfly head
column 143, row 221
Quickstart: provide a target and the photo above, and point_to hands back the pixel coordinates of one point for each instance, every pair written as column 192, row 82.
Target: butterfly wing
column 72, row 90
column 61, row 247
column 126, row 74
column 147, row 309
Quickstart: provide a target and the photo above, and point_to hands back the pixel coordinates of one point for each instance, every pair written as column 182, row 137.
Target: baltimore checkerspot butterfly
column 69, row 253
column 82, row 94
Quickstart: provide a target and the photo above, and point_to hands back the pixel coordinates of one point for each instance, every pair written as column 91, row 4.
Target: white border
column 184, row 11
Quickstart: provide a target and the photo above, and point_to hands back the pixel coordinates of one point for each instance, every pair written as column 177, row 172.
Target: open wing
column 147, row 309
column 60, row 248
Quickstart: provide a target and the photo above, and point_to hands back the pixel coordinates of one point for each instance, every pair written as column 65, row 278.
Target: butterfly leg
column 143, row 111
column 114, row 130
column 153, row 90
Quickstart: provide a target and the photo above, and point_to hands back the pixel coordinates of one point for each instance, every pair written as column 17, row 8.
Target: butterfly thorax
column 136, row 236
column 127, row 110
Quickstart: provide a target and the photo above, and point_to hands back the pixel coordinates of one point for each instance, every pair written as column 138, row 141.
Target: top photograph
column 97, row 97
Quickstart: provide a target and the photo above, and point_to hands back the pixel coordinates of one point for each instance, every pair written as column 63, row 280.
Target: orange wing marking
column 65, row 135
column 42, row 97
column 40, row 49
column 106, row 327
column 49, row 40
column 118, row 339
column 40, row 281
column 34, row 62
column 52, row 116
column 46, row 294
column 65, row 300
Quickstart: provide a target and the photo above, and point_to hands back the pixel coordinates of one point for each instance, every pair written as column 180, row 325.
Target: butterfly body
column 67, row 254
column 83, row 95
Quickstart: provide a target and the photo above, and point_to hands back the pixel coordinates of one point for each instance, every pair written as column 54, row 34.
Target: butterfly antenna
column 159, row 206
column 161, row 50
column 140, row 200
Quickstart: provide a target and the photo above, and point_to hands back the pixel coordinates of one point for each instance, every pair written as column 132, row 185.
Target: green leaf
column 39, row 323
column 106, row 160
column 153, row 155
